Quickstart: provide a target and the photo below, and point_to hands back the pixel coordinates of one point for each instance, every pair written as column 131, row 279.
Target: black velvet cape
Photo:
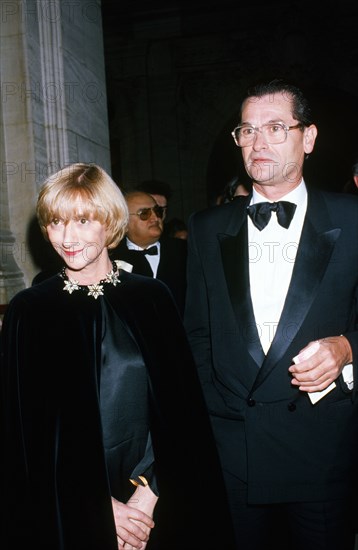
column 55, row 492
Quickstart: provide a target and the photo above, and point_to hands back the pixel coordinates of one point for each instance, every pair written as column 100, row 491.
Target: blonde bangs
column 101, row 197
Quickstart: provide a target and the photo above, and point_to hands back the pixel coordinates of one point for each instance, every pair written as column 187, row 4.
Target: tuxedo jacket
column 171, row 268
column 267, row 431
column 55, row 489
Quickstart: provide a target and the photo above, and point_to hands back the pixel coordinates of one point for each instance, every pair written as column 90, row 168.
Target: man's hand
column 319, row 370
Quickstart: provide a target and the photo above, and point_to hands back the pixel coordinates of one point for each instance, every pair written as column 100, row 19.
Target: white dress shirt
column 272, row 254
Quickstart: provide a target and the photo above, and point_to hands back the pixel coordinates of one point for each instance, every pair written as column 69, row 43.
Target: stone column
column 53, row 112
column 15, row 152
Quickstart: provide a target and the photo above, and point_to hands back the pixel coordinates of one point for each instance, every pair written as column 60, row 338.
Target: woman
column 103, row 411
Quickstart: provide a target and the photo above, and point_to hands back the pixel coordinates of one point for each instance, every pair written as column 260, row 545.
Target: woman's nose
column 69, row 236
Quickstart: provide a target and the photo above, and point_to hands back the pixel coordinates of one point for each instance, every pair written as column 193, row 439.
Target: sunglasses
column 145, row 213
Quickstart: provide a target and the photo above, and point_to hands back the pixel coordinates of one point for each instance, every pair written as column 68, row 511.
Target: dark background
column 312, row 44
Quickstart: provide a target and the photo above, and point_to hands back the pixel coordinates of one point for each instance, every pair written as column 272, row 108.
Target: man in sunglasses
column 148, row 251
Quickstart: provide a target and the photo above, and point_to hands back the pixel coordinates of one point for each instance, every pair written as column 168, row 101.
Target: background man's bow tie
column 260, row 213
column 152, row 251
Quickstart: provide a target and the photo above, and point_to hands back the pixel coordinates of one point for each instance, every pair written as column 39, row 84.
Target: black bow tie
column 151, row 251
column 260, row 213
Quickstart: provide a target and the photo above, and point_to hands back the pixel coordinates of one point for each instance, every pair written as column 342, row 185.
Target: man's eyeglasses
column 145, row 213
column 273, row 133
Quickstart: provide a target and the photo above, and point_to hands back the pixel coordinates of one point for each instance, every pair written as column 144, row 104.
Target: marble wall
column 53, row 112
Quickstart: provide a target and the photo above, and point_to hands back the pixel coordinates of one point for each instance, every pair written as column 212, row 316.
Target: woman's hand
column 133, row 526
column 143, row 499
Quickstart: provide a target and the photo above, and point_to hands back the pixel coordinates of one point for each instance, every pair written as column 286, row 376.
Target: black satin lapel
column 312, row 260
column 234, row 253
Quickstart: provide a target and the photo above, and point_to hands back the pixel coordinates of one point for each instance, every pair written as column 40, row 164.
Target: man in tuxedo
column 271, row 315
column 148, row 251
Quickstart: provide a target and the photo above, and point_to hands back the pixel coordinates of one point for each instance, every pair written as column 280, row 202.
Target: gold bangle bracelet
column 136, row 484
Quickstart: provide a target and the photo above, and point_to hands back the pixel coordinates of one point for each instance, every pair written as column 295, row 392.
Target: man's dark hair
column 155, row 187
column 173, row 225
column 301, row 110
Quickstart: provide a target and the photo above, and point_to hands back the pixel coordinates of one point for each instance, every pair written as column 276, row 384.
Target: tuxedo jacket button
column 251, row 402
column 291, row 407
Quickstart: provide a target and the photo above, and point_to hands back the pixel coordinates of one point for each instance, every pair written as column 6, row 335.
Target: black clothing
column 260, row 213
column 151, row 251
column 83, row 381
column 269, row 435
column 171, row 268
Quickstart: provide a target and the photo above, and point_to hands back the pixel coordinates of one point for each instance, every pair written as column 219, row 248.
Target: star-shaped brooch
column 95, row 290
column 112, row 278
column 70, row 286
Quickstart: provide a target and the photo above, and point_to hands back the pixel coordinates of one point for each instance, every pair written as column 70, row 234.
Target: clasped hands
column 133, row 520
column 323, row 367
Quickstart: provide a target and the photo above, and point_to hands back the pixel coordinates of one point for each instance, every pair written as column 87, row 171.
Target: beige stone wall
column 53, row 112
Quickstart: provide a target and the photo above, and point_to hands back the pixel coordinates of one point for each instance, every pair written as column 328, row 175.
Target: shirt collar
column 298, row 195
column 132, row 246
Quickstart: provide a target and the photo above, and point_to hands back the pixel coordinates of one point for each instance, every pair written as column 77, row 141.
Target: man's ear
column 355, row 180
column 309, row 138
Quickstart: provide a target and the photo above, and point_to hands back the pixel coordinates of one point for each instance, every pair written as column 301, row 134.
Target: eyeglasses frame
column 154, row 210
column 258, row 129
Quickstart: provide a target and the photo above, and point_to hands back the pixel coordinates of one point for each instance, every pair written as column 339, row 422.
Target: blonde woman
column 103, row 412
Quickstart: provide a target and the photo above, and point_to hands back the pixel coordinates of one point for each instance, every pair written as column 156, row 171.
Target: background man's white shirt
column 153, row 260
